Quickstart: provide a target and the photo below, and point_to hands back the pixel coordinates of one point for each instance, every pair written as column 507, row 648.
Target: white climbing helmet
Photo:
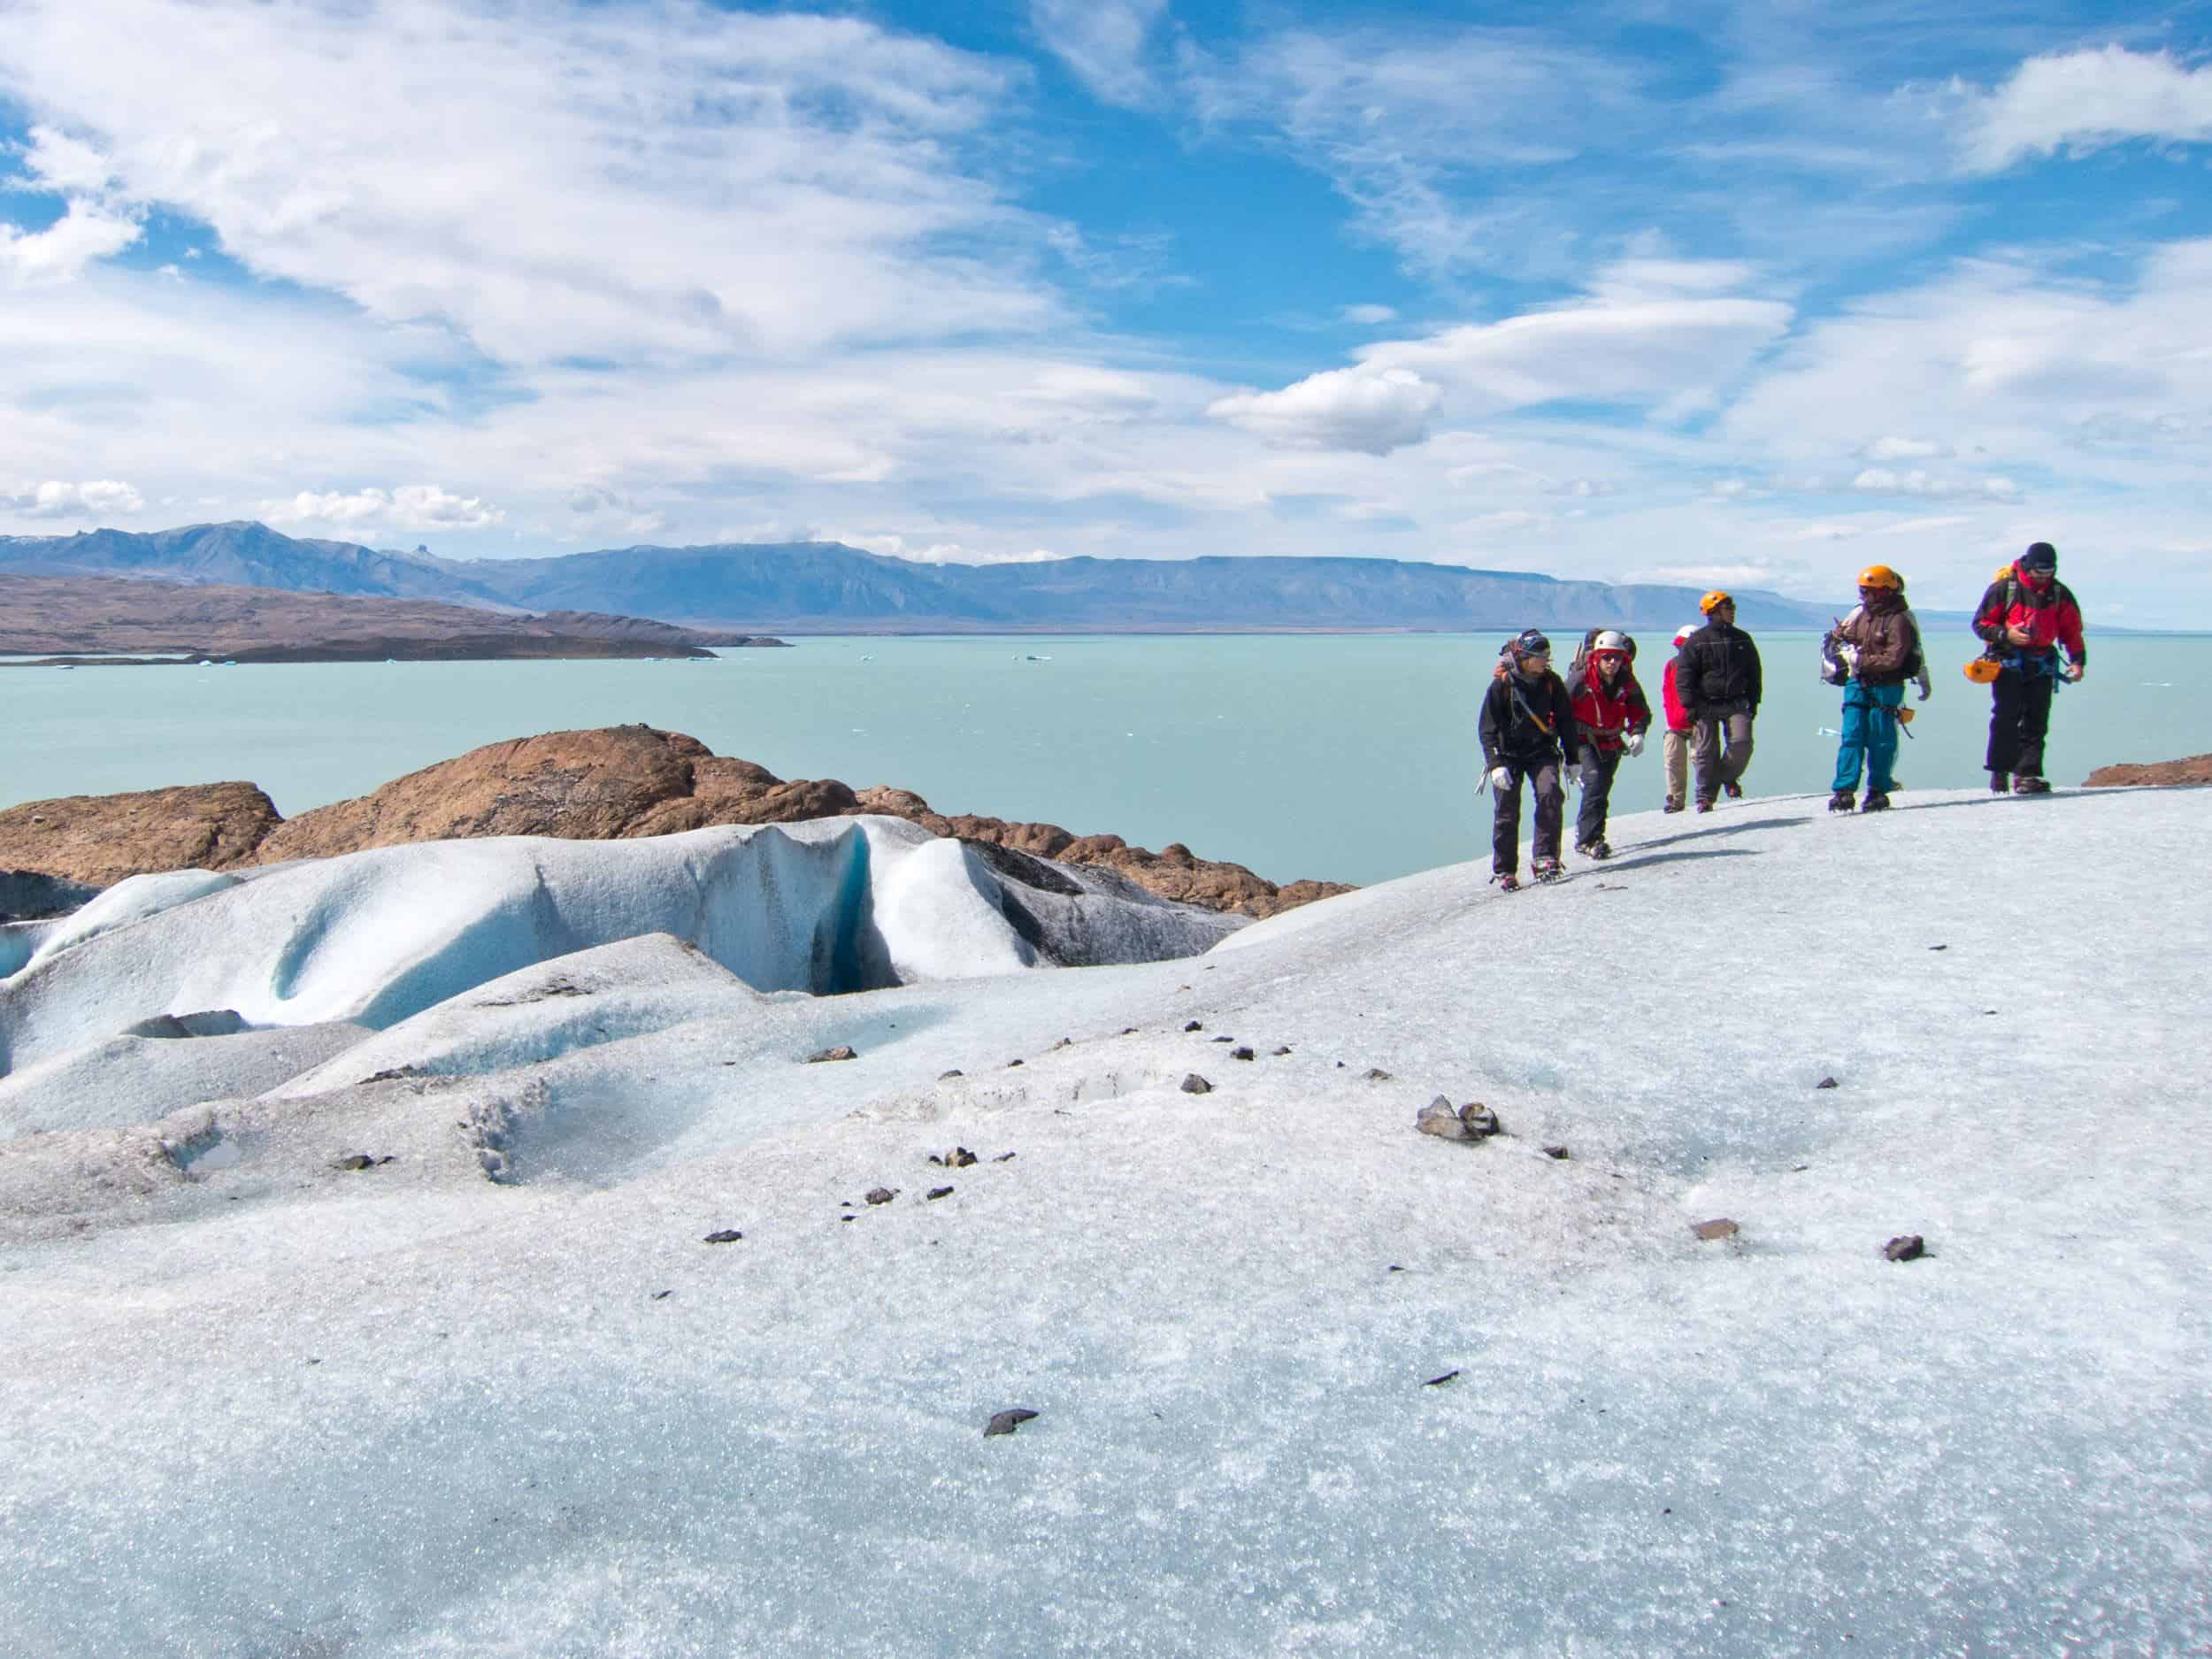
column 1610, row 640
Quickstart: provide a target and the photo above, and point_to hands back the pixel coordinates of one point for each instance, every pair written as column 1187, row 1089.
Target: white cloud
column 1895, row 448
column 661, row 179
column 1369, row 316
column 2083, row 101
column 899, row 546
column 95, row 498
column 1103, row 43
column 409, row 506
column 1373, row 411
column 85, row 233
column 1882, row 480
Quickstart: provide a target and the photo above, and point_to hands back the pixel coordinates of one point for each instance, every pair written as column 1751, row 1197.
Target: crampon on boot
column 1673, row 804
column 2030, row 786
column 1598, row 848
column 1549, row 870
column 1843, row 801
column 1735, row 791
column 2000, row 783
column 1506, row 881
column 1875, row 801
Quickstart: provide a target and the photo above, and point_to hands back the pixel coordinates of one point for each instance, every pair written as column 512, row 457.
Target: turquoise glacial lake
column 1347, row 757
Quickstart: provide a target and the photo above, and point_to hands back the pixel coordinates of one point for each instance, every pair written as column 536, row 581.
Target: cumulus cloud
column 93, row 498
column 1372, row 411
column 409, row 506
column 1103, row 43
column 2083, row 101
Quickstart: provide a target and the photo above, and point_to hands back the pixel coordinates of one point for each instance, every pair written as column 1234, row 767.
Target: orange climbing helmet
column 1714, row 601
column 1881, row 576
column 1982, row 669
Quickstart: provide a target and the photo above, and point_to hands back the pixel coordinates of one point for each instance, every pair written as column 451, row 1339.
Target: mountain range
column 828, row 587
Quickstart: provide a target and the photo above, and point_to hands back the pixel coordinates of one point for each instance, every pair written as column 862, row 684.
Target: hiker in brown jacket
column 1878, row 649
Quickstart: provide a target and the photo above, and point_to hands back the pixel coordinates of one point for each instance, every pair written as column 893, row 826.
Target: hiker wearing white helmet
column 1611, row 716
column 1675, row 747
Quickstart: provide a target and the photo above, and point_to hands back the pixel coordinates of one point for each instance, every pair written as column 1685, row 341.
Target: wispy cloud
column 1104, row 43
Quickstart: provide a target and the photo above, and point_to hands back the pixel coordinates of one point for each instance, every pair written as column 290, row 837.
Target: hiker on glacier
column 1674, row 748
column 1528, row 731
column 1612, row 717
column 1716, row 677
column 2023, row 619
column 1874, row 651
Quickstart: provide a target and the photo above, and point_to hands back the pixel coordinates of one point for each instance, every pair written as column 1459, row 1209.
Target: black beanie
column 2040, row 555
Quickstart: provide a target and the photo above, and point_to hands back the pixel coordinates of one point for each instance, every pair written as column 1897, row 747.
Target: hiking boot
column 1506, row 881
column 1704, row 805
column 2030, row 786
column 1875, row 801
column 1549, row 870
column 1999, row 784
column 1673, row 804
column 1598, row 848
column 1734, row 791
column 1843, row 801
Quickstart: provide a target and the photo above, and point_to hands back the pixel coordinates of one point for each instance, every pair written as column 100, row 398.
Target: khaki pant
column 1716, row 766
column 1676, row 753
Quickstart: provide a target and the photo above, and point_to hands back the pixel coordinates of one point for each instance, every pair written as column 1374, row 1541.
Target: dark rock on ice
column 1194, row 1025
column 1906, row 1247
column 1006, row 1422
column 728, row 1235
column 1481, row 1122
column 1196, row 1085
column 841, row 1052
column 940, row 1192
column 1557, row 1152
column 1240, row 1054
column 1376, row 1074
column 880, row 1194
column 1827, row 1082
column 1438, row 1382
column 1719, row 1227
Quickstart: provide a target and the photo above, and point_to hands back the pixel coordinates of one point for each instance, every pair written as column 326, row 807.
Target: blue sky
column 1754, row 294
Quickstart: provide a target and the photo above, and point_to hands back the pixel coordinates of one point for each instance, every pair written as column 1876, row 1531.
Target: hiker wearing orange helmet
column 2023, row 620
column 1716, row 676
column 1878, row 648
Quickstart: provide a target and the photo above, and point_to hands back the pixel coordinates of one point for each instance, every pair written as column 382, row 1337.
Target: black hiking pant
column 1597, row 767
column 1542, row 771
column 2019, row 716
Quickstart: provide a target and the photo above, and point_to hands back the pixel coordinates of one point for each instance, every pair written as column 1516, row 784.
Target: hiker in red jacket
column 2023, row 620
column 1676, row 746
column 1612, row 717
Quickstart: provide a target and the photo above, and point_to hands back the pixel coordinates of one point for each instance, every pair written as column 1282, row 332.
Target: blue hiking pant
column 1870, row 733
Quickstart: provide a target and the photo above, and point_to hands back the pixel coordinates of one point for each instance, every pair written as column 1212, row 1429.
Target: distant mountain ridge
column 826, row 586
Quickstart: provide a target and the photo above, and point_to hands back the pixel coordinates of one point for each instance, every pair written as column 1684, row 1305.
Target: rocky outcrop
column 613, row 783
column 2196, row 768
column 99, row 839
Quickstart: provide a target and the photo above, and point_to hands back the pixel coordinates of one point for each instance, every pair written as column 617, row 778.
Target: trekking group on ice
column 1539, row 729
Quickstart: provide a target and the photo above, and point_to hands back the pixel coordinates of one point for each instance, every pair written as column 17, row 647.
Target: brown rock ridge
column 614, row 783
column 99, row 839
column 2195, row 769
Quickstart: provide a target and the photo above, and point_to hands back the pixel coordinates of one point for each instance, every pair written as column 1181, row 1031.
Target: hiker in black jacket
column 1528, row 731
column 1717, row 680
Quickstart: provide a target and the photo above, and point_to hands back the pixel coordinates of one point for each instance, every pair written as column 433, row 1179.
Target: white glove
column 1502, row 777
column 1925, row 686
column 1634, row 743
